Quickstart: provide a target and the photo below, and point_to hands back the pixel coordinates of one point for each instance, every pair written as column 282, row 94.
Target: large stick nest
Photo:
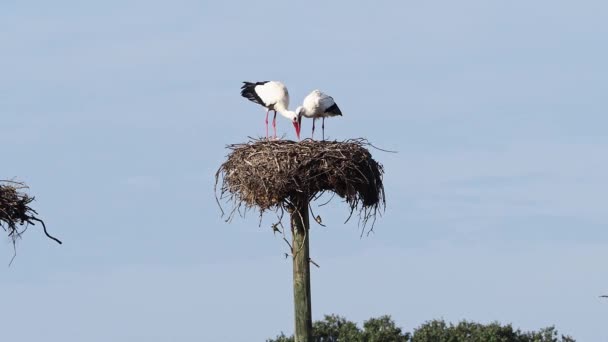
column 15, row 213
column 273, row 174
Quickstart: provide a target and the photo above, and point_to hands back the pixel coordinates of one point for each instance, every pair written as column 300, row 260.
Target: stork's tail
column 334, row 110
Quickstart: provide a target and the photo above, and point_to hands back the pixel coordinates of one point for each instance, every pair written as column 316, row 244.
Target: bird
column 273, row 96
column 318, row 105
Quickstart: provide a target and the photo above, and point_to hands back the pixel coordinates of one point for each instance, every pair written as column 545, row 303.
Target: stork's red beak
column 296, row 125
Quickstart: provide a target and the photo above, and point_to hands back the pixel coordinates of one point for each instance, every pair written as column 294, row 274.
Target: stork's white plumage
column 318, row 105
column 272, row 95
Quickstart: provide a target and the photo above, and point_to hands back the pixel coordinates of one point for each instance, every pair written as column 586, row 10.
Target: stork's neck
column 280, row 107
column 289, row 114
column 305, row 112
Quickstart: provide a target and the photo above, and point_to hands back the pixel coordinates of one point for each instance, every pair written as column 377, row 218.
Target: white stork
column 318, row 105
column 272, row 95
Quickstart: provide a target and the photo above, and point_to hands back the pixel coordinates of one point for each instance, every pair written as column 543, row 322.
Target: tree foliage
column 439, row 331
column 334, row 328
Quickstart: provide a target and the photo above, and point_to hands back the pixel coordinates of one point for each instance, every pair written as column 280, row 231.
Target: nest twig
column 15, row 213
column 271, row 174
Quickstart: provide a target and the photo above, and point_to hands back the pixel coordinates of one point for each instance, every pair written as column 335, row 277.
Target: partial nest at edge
column 270, row 174
column 15, row 213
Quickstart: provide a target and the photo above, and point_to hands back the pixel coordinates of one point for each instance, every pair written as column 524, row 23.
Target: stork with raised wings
column 273, row 96
column 318, row 105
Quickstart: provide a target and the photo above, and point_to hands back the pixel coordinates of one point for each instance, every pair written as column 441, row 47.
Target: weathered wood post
column 301, row 270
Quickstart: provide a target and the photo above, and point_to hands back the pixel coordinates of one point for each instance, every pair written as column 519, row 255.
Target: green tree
column 281, row 338
column 383, row 329
column 334, row 328
column 549, row 334
column 439, row 331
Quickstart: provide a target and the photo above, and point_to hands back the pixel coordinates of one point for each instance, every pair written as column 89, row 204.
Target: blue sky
column 117, row 113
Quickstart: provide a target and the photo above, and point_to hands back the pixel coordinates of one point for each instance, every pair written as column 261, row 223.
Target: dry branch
column 272, row 174
column 15, row 213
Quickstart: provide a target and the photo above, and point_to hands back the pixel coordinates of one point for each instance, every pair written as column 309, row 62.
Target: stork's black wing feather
column 248, row 92
column 334, row 109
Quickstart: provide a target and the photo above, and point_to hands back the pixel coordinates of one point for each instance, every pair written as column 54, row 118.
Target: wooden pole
column 301, row 271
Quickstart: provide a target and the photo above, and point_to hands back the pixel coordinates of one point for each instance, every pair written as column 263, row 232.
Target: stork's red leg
column 267, row 123
column 274, row 124
column 313, row 129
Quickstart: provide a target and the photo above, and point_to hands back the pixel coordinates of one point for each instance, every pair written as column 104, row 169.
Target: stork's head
column 295, row 120
column 300, row 113
column 296, row 125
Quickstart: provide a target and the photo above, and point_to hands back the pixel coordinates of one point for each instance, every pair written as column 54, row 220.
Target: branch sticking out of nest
column 15, row 211
column 272, row 174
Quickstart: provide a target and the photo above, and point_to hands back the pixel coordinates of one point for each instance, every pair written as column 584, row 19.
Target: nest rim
column 247, row 179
